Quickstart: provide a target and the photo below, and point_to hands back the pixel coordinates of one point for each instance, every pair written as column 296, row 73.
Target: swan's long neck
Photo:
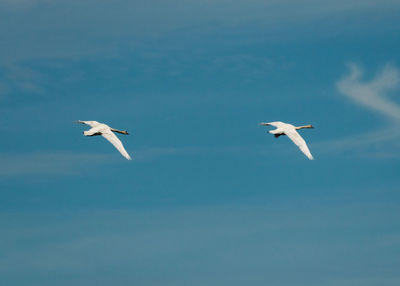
column 119, row 131
column 305, row 126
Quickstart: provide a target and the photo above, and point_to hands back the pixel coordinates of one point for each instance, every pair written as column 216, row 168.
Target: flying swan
column 290, row 130
column 107, row 132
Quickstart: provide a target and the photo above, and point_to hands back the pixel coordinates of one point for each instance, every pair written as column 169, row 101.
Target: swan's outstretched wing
column 299, row 141
column 113, row 139
column 90, row 123
column 275, row 123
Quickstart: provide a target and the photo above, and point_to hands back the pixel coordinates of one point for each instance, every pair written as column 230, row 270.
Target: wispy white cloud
column 121, row 22
column 51, row 163
column 20, row 78
column 267, row 232
column 373, row 93
column 380, row 144
column 156, row 153
column 71, row 163
column 152, row 153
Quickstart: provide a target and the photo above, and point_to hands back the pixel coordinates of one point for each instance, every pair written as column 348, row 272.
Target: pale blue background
column 210, row 198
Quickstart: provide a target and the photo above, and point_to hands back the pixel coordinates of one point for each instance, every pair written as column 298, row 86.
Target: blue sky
column 210, row 198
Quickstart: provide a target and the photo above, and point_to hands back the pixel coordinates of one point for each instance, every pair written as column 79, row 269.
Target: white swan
column 290, row 130
column 107, row 132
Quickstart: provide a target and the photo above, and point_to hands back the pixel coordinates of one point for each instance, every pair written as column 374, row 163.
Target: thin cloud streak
column 67, row 163
column 122, row 22
column 50, row 163
column 372, row 94
column 19, row 78
column 365, row 145
column 84, row 241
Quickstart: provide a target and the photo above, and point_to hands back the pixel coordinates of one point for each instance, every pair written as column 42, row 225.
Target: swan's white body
column 290, row 130
column 107, row 132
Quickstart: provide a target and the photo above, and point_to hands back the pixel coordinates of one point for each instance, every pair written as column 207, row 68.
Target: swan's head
column 306, row 126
